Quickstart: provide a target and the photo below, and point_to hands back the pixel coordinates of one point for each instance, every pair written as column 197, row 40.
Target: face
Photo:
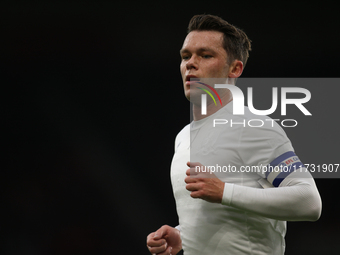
column 203, row 56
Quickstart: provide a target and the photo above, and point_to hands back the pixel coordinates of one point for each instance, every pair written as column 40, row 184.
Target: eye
column 185, row 57
column 206, row 56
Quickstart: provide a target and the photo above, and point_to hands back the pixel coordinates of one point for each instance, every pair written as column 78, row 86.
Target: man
column 235, row 212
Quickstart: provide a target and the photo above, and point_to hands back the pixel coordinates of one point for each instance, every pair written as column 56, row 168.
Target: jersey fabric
column 243, row 223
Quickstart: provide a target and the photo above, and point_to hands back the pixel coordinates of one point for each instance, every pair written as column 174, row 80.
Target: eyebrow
column 198, row 50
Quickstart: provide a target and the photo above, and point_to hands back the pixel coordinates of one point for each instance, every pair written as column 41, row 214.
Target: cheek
column 219, row 69
column 182, row 68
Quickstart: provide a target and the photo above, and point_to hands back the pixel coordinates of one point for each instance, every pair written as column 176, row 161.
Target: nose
column 192, row 63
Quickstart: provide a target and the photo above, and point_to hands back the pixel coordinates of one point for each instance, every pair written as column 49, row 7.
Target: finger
column 166, row 252
column 200, row 172
column 158, row 250
column 155, row 243
column 193, row 187
column 196, row 168
column 192, row 171
column 160, row 233
column 149, row 238
column 196, row 177
column 196, row 194
column 188, row 172
column 193, row 164
column 190, row 179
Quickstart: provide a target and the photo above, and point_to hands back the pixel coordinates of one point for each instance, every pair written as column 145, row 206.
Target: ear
column 235, row 69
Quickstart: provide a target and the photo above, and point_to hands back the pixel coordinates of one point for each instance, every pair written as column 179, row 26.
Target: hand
column 165, row 241
column 204, row 185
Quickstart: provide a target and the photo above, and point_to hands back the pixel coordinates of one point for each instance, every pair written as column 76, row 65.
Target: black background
column 92, row 102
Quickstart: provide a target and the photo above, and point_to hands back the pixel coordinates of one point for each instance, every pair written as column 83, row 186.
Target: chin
column 194, row 98
column 187, row 94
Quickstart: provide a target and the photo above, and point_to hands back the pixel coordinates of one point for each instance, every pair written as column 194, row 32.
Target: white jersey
column 210, row 228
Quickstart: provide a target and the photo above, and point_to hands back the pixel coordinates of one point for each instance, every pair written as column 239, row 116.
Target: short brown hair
column 235, row 42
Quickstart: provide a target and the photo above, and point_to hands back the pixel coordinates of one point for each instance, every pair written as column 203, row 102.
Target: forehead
column 203, row 39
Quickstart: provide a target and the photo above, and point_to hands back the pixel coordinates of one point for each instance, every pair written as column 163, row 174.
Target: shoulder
column 261, row 125
column 184, row 133
column 262, row 139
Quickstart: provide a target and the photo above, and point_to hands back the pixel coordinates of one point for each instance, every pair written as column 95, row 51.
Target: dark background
column 92, row 102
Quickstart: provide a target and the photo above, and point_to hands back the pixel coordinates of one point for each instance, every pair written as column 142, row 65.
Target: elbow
column 309, row 208
column 313, row 214
column 311, row 204
column 314, row 211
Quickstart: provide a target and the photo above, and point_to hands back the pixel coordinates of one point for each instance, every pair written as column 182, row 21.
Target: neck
column 211, row 107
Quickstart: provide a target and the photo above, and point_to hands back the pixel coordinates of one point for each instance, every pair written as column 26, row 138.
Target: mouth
column 189, row 78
